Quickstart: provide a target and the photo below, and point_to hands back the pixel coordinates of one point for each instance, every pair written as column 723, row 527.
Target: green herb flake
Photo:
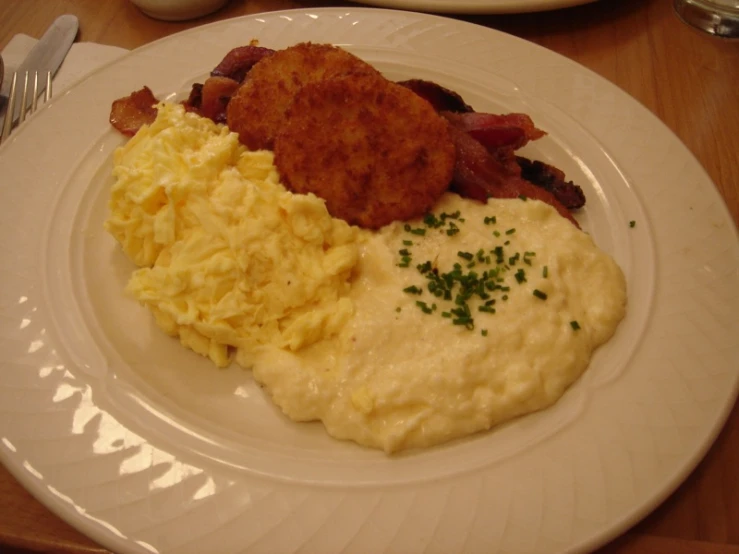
column 539, row 294
column 575, row 325
column 425, row 267
column 632, row 223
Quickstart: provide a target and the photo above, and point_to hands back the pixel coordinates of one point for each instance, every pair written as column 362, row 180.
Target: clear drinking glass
column 716, row 17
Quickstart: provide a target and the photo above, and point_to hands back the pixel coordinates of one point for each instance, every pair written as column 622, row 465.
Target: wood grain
column 687, row 79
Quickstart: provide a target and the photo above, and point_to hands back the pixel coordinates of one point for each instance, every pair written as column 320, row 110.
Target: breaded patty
column 374, row 150
column 257, row 111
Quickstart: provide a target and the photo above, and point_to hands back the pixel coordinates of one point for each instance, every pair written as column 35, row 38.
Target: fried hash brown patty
column 257, row 111
column 374, row 150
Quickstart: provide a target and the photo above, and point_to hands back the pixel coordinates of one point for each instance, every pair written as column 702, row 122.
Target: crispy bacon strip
column 552, row 179
column 237, row 63
column 128, row 114
column 479, row 175
column 495, row 131
column 442, row 99
column 211, row 98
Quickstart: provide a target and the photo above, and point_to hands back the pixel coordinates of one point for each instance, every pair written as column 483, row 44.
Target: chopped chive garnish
column 431, row 220
column 632, row 223
column 425, row 267
column 545, row 272
column 425, row 308
column 484, row 332
column 472, row 285
column 575, row 325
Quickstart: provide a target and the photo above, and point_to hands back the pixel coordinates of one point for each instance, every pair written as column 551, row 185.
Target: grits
column 397, row 377
column 341, row 325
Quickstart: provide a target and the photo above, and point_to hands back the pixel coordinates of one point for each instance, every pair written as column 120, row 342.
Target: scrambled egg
column 343, row 325
column 229, row 259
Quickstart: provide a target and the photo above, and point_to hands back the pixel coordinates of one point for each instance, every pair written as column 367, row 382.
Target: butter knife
column 47, row 54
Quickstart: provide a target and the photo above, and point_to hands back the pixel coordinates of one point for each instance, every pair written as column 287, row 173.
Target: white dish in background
column 146, row 447
column 477, row 6
column 178, row 10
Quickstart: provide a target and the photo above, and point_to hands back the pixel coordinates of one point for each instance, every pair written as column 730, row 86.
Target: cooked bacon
column 237, row 63
column 215, row 94
column 495, row 131
column 552, row 179
column 442, row 99
column 128, row 114
column 195, row 100
column 479, row 175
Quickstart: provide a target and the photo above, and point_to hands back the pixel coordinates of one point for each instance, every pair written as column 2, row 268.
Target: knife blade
column 47, row 54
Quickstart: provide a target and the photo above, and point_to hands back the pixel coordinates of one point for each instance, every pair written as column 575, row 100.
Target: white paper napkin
column 83, row 57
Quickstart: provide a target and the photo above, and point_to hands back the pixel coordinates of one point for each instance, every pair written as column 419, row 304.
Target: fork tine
column 34, row 98
column 25, row 109
column 47, row 93
column 8, row 123
column 24, row 99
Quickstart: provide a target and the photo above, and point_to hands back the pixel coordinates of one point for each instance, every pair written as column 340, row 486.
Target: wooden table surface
column 688, row 79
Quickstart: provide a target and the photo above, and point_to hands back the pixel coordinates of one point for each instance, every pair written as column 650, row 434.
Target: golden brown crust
column 257, row 111
column 374, row 150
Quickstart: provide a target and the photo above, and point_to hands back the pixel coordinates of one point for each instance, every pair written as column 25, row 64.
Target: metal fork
column 30, row 86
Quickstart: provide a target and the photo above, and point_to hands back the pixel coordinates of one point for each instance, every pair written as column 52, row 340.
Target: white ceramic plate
column 477, row 6
column 147, row 448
